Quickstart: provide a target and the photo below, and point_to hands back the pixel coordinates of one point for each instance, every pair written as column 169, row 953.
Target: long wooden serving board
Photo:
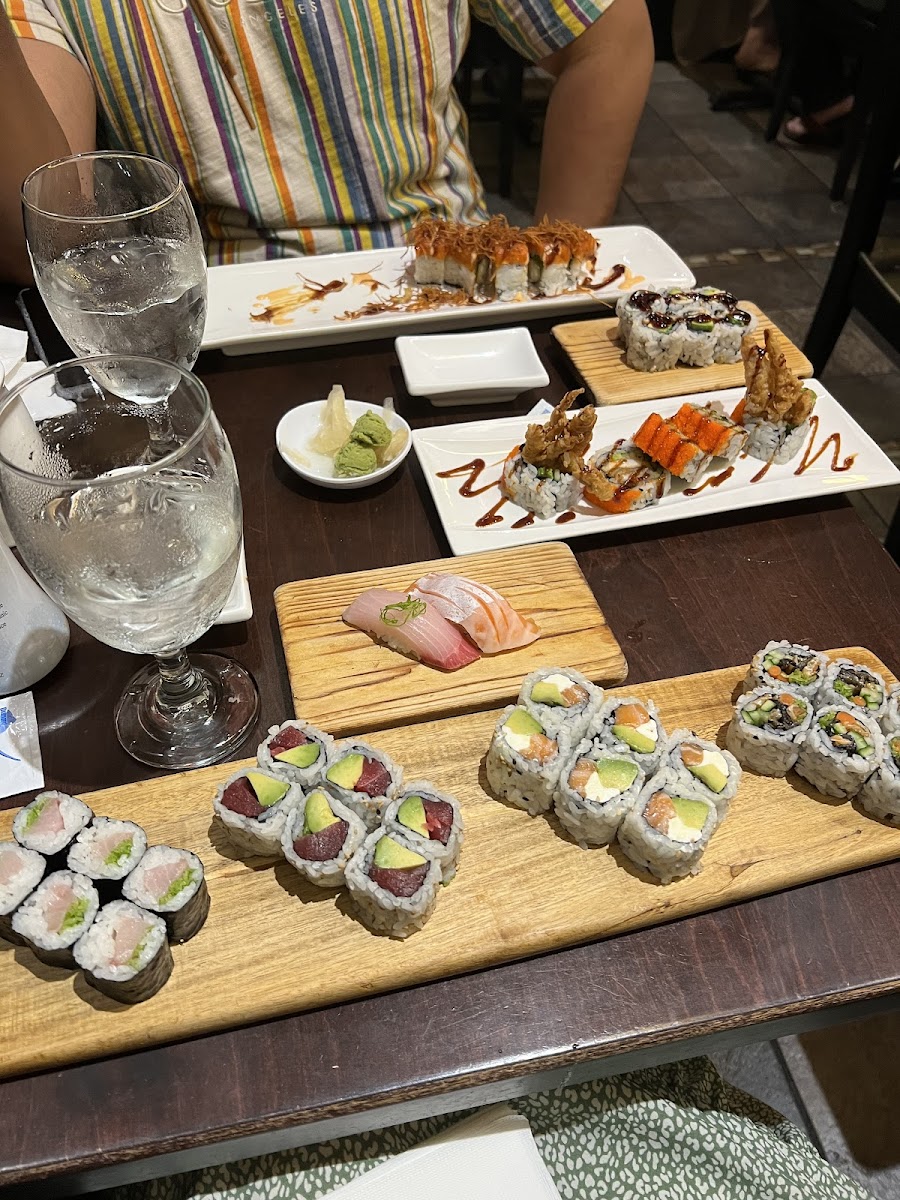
column 344, row 681
column 599, row 358
column 274, row 945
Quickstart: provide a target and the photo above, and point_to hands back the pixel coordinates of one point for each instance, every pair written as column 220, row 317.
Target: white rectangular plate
column 446, row 446
column 239, row 606
column 234, row 290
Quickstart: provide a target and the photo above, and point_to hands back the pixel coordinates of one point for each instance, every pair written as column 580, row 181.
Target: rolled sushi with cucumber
column 654, row 342
column 780, row 663
column 295, row 750
column 524, row 760
column 21, row 871
column 767, row 728
column 629, row 725
column 850, row 683
column 362, row 778
column 596, row 788
column 668, row 828
column 250, row 808
column 890, row 720
column 840, row 751
column 319, row 838
column 125, row 953
column 713, row 772
column 394, row 887
column 880, row 794
column 52, row 919
column 561, row 698
column 170, row 882
column 430, row 821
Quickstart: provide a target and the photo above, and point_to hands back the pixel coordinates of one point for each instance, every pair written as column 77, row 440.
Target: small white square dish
column 486, row 367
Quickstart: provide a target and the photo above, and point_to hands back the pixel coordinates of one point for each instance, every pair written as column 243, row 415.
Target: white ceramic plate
column 486, row 367
column 235, row 290
column 299, row 424
column 239, row 606
column 444, row 447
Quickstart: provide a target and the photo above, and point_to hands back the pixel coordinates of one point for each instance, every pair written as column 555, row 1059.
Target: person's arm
column 596, row 103
column 47, row 102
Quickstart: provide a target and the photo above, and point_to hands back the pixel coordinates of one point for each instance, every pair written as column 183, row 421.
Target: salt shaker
column 34, row 633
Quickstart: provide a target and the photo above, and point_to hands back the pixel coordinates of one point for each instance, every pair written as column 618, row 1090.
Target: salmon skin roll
column 524, row 760
column 664, row 442
column 712, row 430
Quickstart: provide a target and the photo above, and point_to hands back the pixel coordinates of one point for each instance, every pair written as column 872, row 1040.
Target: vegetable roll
column 319, row 837
column 296, row 751
column 596, row 788
column 524, row 760
column 636, row 479
column 50, row 823
column 363, row 778
column 654, row 342
column 880, row 794
column 634, row 306
column 713, row 431
column 715, row 774
column 668, row 446
column 542, row 490
column 429, row 821
column 561, row 698
column 730, row 329
column 170, row 883
column 631, row 726
column 846, row 682
column 251, row 808
column 668, row 828
column 21, row 871
column 55, row 915
column 890, row 721
column 393, row 886
column 699, row 340
column 124, row 954
column 106, row 851
column 840, row 751
column 781, row 663
column 767, row 728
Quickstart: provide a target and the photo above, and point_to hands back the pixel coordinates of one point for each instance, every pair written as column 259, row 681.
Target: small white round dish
column 300, row 424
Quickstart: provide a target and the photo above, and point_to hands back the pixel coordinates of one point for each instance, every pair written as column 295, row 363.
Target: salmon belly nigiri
column 412, row 625
column 487, row 617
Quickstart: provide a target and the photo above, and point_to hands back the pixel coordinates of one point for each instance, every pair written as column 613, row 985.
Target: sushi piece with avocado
column 716, row 773
column 631, row 726
column 853, row 685
column 561, row 698
column 362, row 778
column 669, row 827
column 250, row 809
column 393, row 885
column 596, row 788
column 430, row 821
column 767, row 729
column 840, row 751
column 524, row 759
column 319, row 837
column 787, row 663
column 296, row 751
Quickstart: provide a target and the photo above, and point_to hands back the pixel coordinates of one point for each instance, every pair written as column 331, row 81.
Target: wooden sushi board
column 344, row 681
column 599, row 358
column 273, row 945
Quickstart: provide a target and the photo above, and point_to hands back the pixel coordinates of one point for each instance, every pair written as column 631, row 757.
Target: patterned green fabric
column 677, row 1132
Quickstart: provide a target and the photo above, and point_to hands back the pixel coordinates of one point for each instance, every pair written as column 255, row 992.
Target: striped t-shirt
column 358, row 128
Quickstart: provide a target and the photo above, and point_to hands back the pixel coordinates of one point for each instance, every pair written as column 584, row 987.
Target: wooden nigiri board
column 599, row 358
column 344, row 681
column 274, row 945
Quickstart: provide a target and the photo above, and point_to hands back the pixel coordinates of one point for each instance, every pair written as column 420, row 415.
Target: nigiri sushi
column 413, row 626
column 487, row 617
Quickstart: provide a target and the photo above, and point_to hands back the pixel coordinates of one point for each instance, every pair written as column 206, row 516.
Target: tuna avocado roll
column 296, row 751
column 849, row 683
column 362, row 778
column 319, row 837
column 596, row 789
column 668, row 828
column 21, row 871
column 767, row 728
column 840, row 751
column 50, row 823
column 251, row 808
column 106, row 851
column 429, row 821
column 393, row 886
column 55, row 915
column 780, row 663
column 880, row 794
column 125, row 954
column 170, row 883
column 524, row 760
column 631, row 726
column 713, row 772
column 561, row 698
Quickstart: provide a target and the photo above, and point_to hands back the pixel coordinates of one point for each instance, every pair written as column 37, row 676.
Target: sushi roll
column 296, row 751
column 52, row 919
column 636, row 479
column 731, row 328
column 788, row 663
column 461, row 263
column 511, row 270
column 250, row 809
column 524, row 760
column 880, row 794
column 713, row 431
column 840, row 751
column 847, row 682
column 429, row 239
column 596, row 788
column 714, row 773
column 125, row 954
column 549, row 265
column 699, row 340
column 170, row 882
column 890, row 721
column 106, row 851
column 430, row 821
column 664, row 442
column 561, row 698
column 50, row 823
column 544, row 491
column 393, row 886
column 628, row 725
column 668, row 828
column 634, row 306
column 767, row 728
column 362, row 778
column 21, row 871
column 774, row 441
column 654, row 342
column 319, row 837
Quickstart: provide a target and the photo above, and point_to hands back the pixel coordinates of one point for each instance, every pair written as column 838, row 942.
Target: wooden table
column 686, row 597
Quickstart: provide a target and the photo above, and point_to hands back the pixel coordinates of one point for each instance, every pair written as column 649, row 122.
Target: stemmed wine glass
column 139, row 550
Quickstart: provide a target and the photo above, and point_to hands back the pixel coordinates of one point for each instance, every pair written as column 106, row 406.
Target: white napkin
column 21, row 768
column 491, row 1156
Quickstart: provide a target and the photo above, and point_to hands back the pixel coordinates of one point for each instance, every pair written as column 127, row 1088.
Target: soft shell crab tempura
column 773, row 390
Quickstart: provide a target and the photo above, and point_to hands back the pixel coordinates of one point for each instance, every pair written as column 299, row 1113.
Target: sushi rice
column 880, row 794
column 655, row 342
column 767, row 728
column 890, row 721
column 849, row 683
column 657, row 838
column 325, row 873
column 596, row 788
column 840, row 751
column 711, row 771
column 379, row 909
column 540, row 490
column 148, row 964
column 55, row 915
column 646, row 740
column 524, row 760
column 305, row 776
column 566, row 700
column 790, row 663
column 21, row 870
column 774, row 441
column 33, row 829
